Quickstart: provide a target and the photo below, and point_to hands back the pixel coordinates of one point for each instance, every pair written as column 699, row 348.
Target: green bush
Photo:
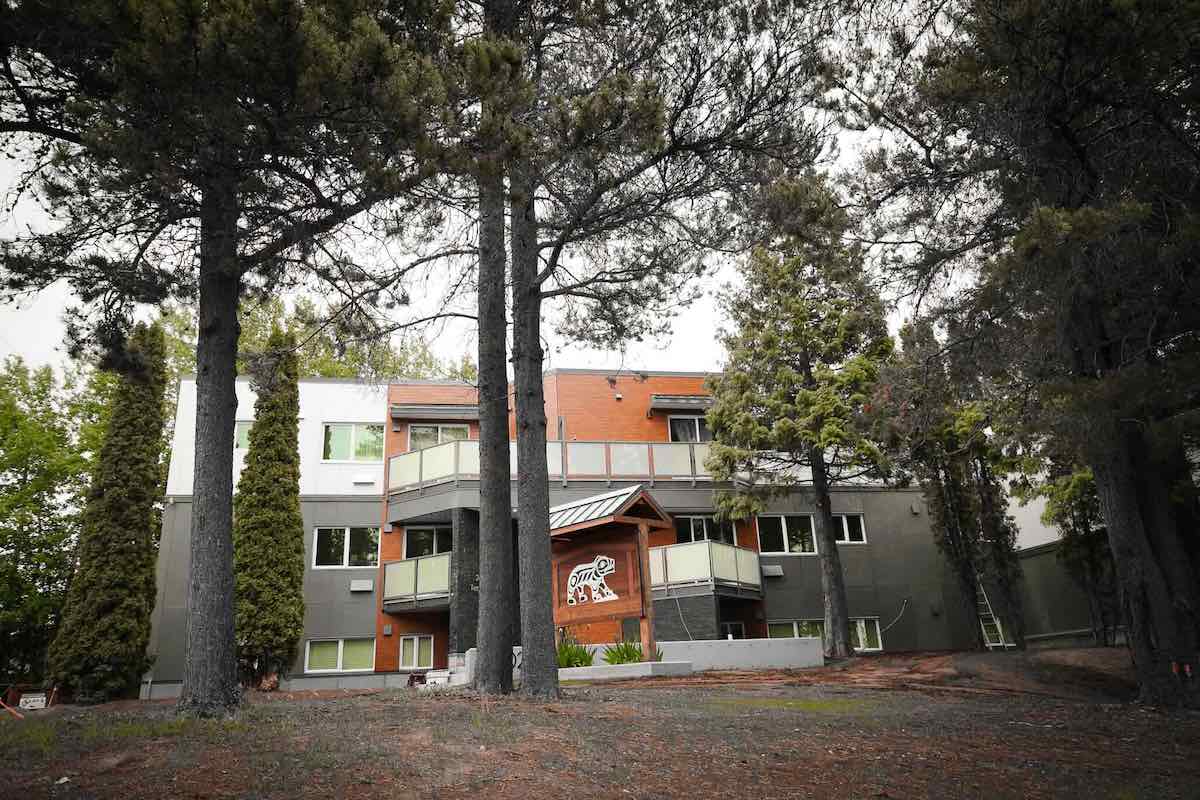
column 572, row 654
column 627, row 653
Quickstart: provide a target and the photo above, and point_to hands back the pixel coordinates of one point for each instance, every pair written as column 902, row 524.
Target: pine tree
column 99, row 652
column 268, row 530
column 807, row 342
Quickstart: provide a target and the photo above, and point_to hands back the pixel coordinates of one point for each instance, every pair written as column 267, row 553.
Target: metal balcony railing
column 415, row 579
column 597, row 461
column 704, row 562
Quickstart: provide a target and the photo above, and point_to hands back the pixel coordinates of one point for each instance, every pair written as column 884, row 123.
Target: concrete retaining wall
column 613, row 672
column 738, row 653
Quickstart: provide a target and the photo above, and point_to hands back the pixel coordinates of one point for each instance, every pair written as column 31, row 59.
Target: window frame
column 862, row 519
column 795, row 623
column 437, row 426
column 354, row 426
column 341, row 643
column 783, row 523
column 730, row 624
column 709, row 519
column 435, row 529
column 861, row 621
column 248, row 423
column 416, row 637
column 695, row 418
column 346, row 547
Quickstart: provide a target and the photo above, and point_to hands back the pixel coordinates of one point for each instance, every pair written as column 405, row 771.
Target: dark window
column 364, row 547
column 848, row 528
column 689, row 429
column 800, row 534
column 427, row 542
column 331, row 547
column 770, row 535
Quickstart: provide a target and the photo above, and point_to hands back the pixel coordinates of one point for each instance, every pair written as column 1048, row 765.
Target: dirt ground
column 1055, row 724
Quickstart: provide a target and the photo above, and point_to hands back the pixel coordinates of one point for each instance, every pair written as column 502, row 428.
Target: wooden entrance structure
column 600, row 548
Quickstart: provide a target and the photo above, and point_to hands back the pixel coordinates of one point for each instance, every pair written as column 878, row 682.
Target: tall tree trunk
column 210, row 680
column 539, row 663
column 833, row 583
column 496, row 592
column 960, row 551
column 1161, row 609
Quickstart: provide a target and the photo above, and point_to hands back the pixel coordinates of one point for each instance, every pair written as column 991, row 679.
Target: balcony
column 717, row 567
column 566, row 461
column 417, row 584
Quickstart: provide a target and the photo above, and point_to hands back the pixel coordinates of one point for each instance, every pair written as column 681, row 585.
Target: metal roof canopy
column 632, row 504
column 680, row 402
column 434, row 411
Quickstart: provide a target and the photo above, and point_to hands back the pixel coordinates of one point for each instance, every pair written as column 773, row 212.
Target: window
column 796, row 629
column 346, row 547
column 416, row 652
column 241, row 434
column 422, row 436
column 792, row 534
column 848, row 529
column 689, row 429
column 427, row 541
column 353, row 441
column 699, row 529
column 340, row 655
column 864, row 634
column 733, row 630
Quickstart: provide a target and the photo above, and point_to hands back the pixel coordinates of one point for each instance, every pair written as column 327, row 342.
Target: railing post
column 650, row 461
column 420, row 471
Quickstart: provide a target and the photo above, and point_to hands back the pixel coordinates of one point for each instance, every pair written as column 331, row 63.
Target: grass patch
column 824, row 705
column 29, row 736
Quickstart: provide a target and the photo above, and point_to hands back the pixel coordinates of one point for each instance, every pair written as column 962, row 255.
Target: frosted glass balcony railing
column 414, row 579
column 459, row 460
column 704, row 562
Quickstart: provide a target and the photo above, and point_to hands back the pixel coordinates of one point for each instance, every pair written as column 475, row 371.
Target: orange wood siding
column 588, row 403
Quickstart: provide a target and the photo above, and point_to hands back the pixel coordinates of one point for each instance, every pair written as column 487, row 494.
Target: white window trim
column 416, row 637
column 353, row 442
column 346, row 547
column 429, row 528
column 341, row 644
column 249, row 422
column 862, row 621
column 692, row 417
column 846, row 528
column 439, row 426
column 783, row 517
column 795, row 623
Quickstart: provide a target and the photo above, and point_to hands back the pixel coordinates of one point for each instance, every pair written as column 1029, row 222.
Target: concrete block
column 612, row 672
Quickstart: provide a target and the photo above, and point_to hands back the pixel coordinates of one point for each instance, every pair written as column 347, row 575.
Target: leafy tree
column 185, row 177
column 268, row 529
column 641, row 131
column 939, row 431
column 42, row 475
column 99, row 651
column 1039, row 179
column 807, row 341
column 1073, row 507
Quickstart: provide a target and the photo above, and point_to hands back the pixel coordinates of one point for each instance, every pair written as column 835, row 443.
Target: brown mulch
column 987, row 726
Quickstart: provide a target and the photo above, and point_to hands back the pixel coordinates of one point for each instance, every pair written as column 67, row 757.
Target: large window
column 353, row 441
column 427, row 541
column 689, row 429
column 422, row 436
column 416, row 652
column 699, row 529
column 864, row 631
column 791, row 535
column 848, row 529
column 346, row 547
column 339, row 655
column 241, row 434
column 796, row 629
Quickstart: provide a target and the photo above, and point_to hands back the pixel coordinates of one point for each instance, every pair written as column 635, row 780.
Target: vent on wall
column 363, row 479
column 362, row 585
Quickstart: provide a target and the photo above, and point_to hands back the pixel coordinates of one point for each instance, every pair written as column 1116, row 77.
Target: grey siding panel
column 684, row 618
column 331, row 610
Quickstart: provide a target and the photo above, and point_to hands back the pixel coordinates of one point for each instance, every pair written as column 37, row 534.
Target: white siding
column 320, row 402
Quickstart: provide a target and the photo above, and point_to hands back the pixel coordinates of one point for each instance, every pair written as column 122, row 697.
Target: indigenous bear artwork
column 591, row 576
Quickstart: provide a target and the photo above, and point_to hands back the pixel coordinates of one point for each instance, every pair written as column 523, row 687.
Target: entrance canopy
column 631, row 505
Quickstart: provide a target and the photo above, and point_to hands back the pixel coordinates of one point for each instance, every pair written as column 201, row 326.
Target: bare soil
column 1054, row 724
